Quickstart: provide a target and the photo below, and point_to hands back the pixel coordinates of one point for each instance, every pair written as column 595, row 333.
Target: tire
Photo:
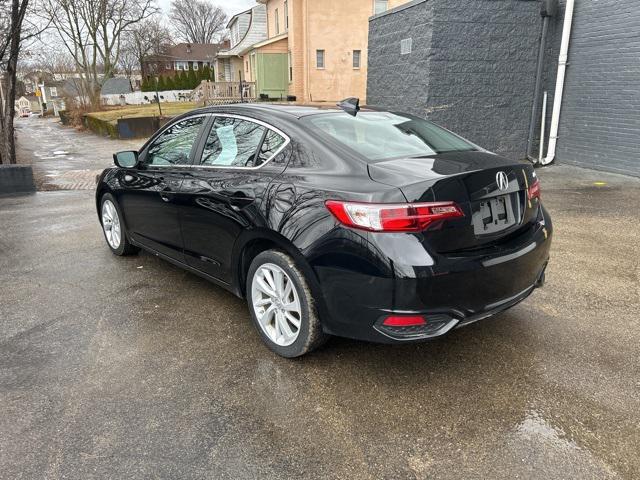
column 275, row 328
column 111, row 221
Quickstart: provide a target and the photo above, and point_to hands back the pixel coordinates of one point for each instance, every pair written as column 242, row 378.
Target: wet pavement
column 132, row 368
column 65, row 158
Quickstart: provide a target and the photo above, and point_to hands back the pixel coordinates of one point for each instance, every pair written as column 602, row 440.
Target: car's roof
column 296, row 111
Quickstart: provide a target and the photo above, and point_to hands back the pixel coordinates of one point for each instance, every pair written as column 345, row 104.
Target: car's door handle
column 165, row 197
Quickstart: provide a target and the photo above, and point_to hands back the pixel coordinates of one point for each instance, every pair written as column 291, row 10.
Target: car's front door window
column 173, row 146
column 232, row 142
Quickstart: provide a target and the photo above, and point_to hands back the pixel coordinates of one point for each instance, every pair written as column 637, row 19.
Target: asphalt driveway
column 65, row 158
column 132, row 368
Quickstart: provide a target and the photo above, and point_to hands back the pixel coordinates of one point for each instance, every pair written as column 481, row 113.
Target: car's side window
column 272, row 143
column 232, row 142
column 174, row 145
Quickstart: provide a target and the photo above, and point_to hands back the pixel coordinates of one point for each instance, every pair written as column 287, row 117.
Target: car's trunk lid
column 491, row 190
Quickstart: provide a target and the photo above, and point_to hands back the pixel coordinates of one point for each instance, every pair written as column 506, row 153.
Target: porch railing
column 217, row 93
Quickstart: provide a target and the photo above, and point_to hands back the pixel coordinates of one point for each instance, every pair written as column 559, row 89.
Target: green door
column 271, row 75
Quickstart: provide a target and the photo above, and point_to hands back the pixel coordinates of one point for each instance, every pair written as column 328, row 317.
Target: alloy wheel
column 276, row 304
column 111, row 224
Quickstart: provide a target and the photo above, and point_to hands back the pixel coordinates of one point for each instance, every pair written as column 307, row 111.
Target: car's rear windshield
column 384, row 135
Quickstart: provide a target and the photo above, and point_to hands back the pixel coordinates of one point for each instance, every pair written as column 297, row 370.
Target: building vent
column 405, row 46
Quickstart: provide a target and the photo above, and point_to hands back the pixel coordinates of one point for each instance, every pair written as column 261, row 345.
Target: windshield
column 384, row 135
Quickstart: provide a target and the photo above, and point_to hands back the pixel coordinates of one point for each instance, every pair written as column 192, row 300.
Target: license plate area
column 495, row 214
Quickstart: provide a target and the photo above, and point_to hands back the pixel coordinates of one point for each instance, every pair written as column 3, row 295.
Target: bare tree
column 198, row 21
column 12, row 16
column 49, row 61
column 92, row 30
column 149, row 37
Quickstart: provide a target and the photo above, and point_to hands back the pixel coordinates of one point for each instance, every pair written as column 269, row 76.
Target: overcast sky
column 230, row 6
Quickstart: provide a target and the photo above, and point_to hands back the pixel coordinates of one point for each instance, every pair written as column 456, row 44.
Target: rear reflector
column 404, row 321
column 384, row 217
column 534, row 190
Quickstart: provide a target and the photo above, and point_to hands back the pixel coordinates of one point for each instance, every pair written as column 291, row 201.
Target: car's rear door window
column 232, row 142
column 173, row 146
column 271, row 145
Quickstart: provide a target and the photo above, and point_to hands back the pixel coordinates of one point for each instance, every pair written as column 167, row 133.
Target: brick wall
column 471, row 69
column 600, row 118
column 400, row 81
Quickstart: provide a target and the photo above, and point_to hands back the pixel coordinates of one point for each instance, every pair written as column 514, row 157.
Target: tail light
column 385, row 217
column 534, row 190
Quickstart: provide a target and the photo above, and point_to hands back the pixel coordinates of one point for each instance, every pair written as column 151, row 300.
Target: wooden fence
column 220, row 93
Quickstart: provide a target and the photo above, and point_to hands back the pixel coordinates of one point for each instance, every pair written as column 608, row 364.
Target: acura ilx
column 357, row 222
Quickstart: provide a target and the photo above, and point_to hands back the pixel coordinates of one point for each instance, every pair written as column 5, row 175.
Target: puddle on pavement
column 539, row 443
column 534, row 427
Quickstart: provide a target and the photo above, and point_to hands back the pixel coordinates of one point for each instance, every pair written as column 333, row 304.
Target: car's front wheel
column 282, row 306
column 113, row 228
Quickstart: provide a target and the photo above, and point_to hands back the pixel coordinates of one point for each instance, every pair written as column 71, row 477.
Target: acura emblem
column 502, row 181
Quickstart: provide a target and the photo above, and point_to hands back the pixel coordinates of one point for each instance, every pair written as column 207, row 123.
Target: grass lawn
column 169, row 109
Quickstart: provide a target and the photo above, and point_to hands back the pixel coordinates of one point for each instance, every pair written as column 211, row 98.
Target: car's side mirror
column 128, row 159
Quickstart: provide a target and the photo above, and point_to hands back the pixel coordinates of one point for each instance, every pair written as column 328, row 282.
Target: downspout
column 562, row 67
column 538, row 88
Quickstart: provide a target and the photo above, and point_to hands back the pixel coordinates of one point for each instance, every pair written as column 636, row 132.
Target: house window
column 53, row 91
column 235, row 34
column 290, row 68
column 319, row 58
column 277, row 20
column 380, row 6
column 286, row 15
column 356, row 58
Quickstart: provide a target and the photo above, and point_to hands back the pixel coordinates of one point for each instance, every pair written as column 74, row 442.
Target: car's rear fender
column 252, row 242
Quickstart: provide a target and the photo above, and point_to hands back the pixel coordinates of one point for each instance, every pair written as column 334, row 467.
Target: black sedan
column 361, row 223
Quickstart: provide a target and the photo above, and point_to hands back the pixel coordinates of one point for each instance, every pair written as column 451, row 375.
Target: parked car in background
column 361, row 223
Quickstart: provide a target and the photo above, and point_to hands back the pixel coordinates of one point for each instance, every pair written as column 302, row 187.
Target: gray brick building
column 470, row 65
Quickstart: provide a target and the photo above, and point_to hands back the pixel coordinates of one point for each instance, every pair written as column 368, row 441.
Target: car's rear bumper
column 452, row 291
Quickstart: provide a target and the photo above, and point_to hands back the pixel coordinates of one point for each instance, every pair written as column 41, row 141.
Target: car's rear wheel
column 282, row 306
column 114, row 230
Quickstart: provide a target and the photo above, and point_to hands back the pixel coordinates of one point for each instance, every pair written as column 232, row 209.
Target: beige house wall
column 297, row 48
column 281, row 46
column 272, row 6
column 336, row 26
